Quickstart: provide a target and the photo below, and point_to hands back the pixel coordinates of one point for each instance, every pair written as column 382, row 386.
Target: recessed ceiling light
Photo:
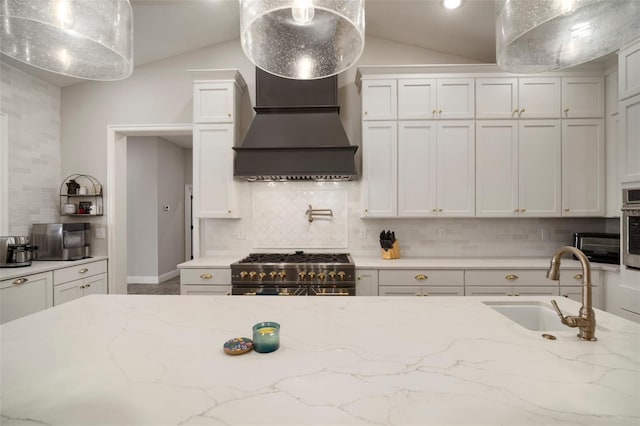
column 451, row 4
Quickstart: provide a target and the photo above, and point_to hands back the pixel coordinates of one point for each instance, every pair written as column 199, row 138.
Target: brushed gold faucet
column 586, row 319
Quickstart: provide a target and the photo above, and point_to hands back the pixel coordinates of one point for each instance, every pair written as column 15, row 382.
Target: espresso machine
column 16, row 251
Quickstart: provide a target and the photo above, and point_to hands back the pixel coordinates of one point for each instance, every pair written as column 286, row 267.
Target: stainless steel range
column 294, row 274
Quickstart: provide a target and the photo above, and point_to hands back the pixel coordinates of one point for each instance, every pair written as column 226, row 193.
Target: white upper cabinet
column 629, row 160
column 213, row 103
column 629, row 70
column 583, row 97
column 417, row 171
column 379, row 169
column 583, row 163
column 525, row 97
column 425, row 99
column 518, row 168
column 456, row 168
column 539, row 184
column 379, row 100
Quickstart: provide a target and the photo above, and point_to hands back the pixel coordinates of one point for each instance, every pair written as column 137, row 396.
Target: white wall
column 32, row 107
column 155, row 178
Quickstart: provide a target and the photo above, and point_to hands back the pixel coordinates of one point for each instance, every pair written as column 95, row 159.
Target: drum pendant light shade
column 302, row 39
column 545, row 35
column 87, row 39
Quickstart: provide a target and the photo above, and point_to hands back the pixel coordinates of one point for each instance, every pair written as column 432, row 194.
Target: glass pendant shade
column 87, row 39
column 545, row 35
column 302, row 39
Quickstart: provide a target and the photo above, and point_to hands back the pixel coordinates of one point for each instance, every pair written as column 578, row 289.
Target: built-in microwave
column 61, row 241
column 631, row 227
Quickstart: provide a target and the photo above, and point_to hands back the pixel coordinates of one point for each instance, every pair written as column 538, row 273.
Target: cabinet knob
column 434, row 210
column 365, row 113
column 516, row 294
column 439, row 210
column 439, row 111
column 229, row 115
column 20, row 281
column 208, row 276
column 88, row 285
column 511, row 277
column 421, row 277
column 577, row 277
column 522, row 110
column 81, row 286
column 523, row 210
column 366, row 210
column 425, row 294
column 83, row 271
column 516, row 210
column 434, row 111
column 515, row 111
column 565, row 295
column 566, row 110
column 567, row 210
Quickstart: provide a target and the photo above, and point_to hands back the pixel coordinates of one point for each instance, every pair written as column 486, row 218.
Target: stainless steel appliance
column 599, row 246
column 631, row 227
column 16, row 251
column 294, row 274
column 62, row 241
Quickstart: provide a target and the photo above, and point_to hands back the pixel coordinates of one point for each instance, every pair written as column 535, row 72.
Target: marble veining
column 158, row 360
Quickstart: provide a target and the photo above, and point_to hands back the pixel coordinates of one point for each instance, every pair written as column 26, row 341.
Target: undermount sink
column 536, row 316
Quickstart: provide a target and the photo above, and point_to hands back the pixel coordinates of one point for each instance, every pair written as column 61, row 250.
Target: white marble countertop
column 370, row 262
column 158, row 360
column 38, row 266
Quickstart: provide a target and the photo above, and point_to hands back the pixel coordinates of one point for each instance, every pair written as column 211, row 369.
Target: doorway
column 116, row 195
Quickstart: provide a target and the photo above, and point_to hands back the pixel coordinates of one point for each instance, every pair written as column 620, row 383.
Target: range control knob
column 243, row 274
column 332, row 275
column 322, row 276
column 253, row 274
column 273, row 275
column 282, row 275
column 312, row 275
column 261, row 275
column 302, row 275
column 341, row 274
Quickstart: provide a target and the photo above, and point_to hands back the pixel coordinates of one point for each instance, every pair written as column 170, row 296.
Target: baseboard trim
column 153, row 279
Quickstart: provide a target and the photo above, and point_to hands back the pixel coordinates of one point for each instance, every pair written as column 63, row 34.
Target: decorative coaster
column 238, row 346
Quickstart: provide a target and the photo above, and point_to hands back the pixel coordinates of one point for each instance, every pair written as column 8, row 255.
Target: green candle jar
column 266, row 337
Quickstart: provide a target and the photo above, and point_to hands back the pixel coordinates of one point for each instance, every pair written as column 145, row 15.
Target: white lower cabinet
column 416, row 282
column 571, row 286
column 205, row 281
column 511, row 290
column 25, row 295
column 366, row 282
column 77, row 281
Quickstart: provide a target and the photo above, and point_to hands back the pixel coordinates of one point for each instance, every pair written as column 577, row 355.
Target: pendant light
column 546, row 35
column 87, row 39
column 302, row 39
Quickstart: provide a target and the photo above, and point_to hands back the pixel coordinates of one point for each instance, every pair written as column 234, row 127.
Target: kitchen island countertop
column 158, row 360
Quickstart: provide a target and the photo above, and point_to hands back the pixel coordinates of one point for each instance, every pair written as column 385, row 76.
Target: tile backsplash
column 273, row 219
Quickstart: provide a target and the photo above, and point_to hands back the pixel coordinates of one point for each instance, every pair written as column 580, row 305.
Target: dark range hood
column 296, row 133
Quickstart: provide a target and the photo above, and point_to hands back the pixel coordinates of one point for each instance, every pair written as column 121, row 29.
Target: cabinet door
column 456, row 168
column 95, row 285
column 207, row 290
column 379, row 100
column 67, row 292
column 213, row 102
column 417, row 168
column 539, row 181
column 25, row 295
column 398, row 290
column 629, row 163
column 497, row 98
column 497, row 168
column 417, row 99
column 213, row 186
column 539, row 97
column 583, row 167
column 583, row 97
column 367, row 282
column 456, row 98
column 380, row 169
column 629, row 70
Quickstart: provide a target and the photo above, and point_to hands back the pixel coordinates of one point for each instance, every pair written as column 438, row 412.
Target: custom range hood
column 296, row 133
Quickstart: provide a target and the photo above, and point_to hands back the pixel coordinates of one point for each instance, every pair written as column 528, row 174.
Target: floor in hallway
column 171, row 286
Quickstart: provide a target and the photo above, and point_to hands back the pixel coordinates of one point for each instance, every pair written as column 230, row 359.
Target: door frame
column 189, row 225
column 4, row 174
column 116, row 195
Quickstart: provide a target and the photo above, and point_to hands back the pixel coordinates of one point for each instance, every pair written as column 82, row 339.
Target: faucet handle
column 570, row 321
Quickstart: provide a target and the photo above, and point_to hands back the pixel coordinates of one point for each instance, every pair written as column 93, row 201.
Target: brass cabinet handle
column 522, row 110
column 229, row 115
column 439, row 111
column 20, row 281
column 83, row 271
column 515, row 111
column 516, row 294
column 434, row 210
column 511, row 277
column 577, row 277
column 81, row 286
column 421, row 277
column 523, row 210
column 434, row 111
column 567, row 210
column 88, row 285
column 566, row 110
column 206, row 276
column 565, row 295
column 228, row 294
column 365, row 113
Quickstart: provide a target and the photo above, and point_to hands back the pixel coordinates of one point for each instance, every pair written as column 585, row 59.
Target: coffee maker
column 16, row 251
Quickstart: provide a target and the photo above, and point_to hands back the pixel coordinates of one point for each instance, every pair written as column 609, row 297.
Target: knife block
column 392, row 253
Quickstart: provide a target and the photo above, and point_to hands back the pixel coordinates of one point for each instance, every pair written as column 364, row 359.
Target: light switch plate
column 101, row 233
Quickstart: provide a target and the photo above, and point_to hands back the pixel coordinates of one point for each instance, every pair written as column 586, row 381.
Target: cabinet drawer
column 209, row 290
column 412, row 277
column 78, row 272
column 510, row 277
column 573, row 277
column 205, row 276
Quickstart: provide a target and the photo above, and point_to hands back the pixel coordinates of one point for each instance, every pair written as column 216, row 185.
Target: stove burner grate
column 295, row 258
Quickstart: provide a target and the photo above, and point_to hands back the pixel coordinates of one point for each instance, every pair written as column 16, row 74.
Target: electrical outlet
column 363, row 233
column 241, row 235
column 101, row 233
